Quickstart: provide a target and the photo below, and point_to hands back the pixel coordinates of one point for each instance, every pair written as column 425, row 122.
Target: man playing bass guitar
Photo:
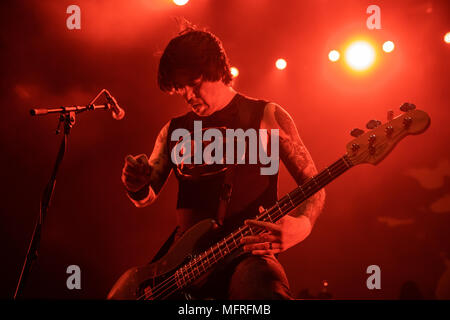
column 194, row 65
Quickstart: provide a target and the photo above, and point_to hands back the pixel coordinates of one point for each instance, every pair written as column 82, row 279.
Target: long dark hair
column 192, row 54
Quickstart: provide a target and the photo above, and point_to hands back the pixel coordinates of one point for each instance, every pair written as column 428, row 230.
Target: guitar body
column 137, row 281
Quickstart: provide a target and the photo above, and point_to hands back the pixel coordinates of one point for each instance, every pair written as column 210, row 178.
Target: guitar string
column 281, row 206
column 344, row 160
column 276, row 208
column 156, row 294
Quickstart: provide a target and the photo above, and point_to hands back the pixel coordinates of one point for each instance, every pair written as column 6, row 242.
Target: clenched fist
column 136, row 172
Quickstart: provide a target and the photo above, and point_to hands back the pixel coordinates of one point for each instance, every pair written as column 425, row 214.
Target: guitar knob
column 390, row 115
column 405, row 107
column 372, row 124
column 356, row 132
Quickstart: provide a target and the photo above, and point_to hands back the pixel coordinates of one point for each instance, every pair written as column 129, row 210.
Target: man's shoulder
column 244, row 97
column 251, row 104
column 181, row 118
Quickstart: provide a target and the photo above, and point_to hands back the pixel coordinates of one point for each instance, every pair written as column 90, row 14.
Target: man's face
column 198, row 95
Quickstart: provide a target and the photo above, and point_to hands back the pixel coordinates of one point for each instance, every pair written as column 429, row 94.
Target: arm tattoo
column 299, row 163
column 159, row 161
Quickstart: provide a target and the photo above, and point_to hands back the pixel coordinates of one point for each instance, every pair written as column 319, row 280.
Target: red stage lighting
column 334, row 55
column 447, row 37
column 180, row 2
column 388, row 46
column 281, row 64
column 360, row 55
column 234, row 72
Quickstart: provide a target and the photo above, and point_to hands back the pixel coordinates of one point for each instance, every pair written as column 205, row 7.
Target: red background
column 91, row 223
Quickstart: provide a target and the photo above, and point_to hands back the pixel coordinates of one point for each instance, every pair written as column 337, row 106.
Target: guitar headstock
column 374, row 145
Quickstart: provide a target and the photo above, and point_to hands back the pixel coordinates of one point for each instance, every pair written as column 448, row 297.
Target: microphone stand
column 67, row 118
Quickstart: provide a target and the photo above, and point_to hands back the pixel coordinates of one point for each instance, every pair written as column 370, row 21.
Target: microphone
column 117, row 112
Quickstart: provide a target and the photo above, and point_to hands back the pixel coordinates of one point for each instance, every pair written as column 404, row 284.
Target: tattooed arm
column 297, row 160
column 295, row 227
column 144, row 178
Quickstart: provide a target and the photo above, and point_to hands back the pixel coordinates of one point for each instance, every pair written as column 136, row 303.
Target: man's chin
column 201, row 111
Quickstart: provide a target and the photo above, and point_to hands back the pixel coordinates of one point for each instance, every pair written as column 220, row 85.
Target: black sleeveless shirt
column 200, row 185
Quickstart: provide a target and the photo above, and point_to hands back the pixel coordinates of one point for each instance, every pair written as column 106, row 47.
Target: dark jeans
column 247, row 277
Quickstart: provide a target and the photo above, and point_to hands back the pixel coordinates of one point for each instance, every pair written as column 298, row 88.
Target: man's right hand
column 136, row 172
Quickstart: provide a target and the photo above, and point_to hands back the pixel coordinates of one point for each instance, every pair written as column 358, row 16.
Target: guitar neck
column 201, row 263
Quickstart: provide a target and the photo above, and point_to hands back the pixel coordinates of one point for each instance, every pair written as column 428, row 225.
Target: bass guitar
column 187, row 262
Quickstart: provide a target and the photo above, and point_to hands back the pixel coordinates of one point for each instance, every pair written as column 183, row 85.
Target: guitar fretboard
column 201, row 263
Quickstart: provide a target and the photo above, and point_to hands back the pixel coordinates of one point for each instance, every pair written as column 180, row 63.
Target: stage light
column 447, row 37
column 360, row 55
column 334, row 55
column 388, row 46
column 281, row 64
column 180, row 2
column 234, row 72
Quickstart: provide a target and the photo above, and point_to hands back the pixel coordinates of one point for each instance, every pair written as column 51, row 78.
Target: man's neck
column 225, row 97
column 221, row 95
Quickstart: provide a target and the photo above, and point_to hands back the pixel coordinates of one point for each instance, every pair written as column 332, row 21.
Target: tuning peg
column 356, row 132
column 405, row 107
column 407, row 122
column 372, row 124
column 390, row 115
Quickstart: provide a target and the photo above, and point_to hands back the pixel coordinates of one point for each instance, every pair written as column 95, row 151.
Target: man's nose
column 189, row 94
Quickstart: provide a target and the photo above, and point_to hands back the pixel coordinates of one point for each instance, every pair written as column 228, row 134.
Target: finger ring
column 270, row 246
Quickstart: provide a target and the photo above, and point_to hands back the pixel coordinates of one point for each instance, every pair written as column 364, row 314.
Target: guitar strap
column 225, row 194
column 166, row 246
column 246, row 117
